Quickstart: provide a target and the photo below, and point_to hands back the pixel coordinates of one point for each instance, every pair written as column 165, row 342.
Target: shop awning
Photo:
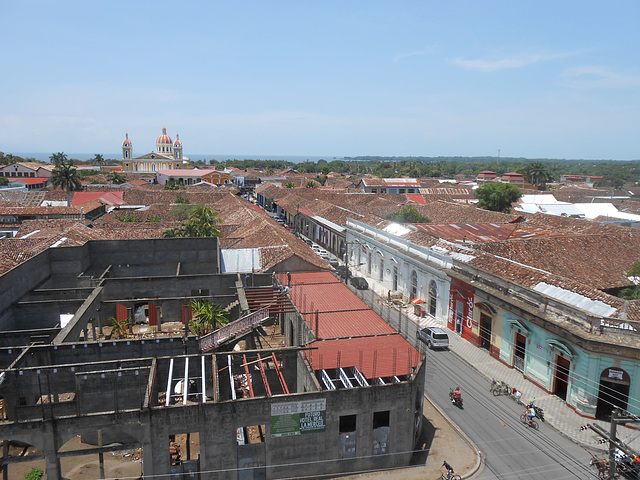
column 417, row 301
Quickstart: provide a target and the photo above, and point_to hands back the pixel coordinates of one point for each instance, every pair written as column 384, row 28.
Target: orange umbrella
column 417, row 301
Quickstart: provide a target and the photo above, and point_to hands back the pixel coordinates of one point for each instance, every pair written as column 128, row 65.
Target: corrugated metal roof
column 348, row 324
column 375, row 357
column 360, row 330
column 580, row 301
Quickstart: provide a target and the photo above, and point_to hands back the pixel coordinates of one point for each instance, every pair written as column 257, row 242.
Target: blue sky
column 454, row 78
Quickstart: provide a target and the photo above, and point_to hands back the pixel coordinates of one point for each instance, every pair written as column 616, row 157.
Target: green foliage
column 207, row 317
column 117, row 178
column 497, row 196
column 153, row 219
column 289, row 185
column 325, row 170
column 408, row 214
column 34, row 474
column 129, row 217
column 182, row 200
column 310, row 184
column 321, row 180
column 201, row 222
column 58, row 158
column 181, row 211
column 537, row 174
column 99, row 159
column 65, row 176
column 173, row 184
column 120, row 327
column 4, row 181
column 632, row 293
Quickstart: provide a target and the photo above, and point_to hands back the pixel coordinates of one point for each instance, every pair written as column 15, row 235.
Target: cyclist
column 449, row 468
column 531, row 413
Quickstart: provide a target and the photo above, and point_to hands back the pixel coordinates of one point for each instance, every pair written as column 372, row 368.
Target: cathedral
column 167, row 156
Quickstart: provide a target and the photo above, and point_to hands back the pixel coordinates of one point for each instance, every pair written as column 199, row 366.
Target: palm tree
column 201, row 222
column 289, row 184
column 65, row 176
column 537, row 174
column 57, row 158
column 99, row 159
column 117, row 178
column 207, row 316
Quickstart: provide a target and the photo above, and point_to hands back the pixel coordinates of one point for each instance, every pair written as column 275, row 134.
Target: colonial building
column 168, row 155
column 193, row 176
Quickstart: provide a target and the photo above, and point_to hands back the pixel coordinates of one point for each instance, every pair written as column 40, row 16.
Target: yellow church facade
column 167, row 156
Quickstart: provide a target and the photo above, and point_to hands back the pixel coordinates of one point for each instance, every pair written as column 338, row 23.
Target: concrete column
column 50, row 447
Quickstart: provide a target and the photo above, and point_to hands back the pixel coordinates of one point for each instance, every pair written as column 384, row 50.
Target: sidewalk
column 556, row 412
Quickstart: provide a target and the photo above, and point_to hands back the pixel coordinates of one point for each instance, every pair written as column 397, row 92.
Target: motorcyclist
column 449, row 468
column 457, row 395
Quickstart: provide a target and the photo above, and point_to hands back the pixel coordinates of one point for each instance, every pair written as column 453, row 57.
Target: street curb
column 465, row 437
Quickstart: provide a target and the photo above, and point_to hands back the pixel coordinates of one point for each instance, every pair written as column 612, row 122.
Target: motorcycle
column 538, row 410
column 456, row 399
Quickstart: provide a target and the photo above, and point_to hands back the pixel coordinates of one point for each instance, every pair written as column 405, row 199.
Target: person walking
column 289, row 279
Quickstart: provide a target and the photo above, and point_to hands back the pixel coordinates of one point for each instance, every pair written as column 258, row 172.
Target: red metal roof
column 111, row 198
column 29, row 181
column 363, row 339
column 345, row 323
column 416, row 197
column 374, row 357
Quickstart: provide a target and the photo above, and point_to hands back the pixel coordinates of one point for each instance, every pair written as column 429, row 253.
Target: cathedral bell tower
column 127, row 150
column 177, row 148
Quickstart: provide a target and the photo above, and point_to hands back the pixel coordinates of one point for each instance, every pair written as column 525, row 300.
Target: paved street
column 509, row 448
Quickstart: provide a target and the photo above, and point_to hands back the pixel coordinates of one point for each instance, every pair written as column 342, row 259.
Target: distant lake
column 44, row 157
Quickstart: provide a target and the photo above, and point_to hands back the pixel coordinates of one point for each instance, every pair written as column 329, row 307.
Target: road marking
column 503, row 424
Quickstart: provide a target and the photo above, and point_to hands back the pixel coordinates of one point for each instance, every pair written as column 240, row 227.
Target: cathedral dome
column 164, row 138
column 127, row 142
column 177, row 143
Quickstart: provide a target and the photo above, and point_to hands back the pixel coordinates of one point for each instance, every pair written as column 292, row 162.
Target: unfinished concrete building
column 319, row 401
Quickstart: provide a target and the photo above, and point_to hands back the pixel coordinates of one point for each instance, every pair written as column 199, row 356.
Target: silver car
column 434, row 337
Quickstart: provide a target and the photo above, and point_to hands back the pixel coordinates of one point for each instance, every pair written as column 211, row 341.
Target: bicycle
column 532, row 423
column 499, row 388
column 453, row 477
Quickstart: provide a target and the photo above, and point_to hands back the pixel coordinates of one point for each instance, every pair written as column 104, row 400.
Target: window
column 381, row 268
column 401, row 190
column 347, row 440
column 433, row 297
column 414, row 284
column 374, row 190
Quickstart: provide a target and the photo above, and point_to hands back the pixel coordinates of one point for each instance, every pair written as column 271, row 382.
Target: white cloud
column 599, row 77
column 425, row 51
column 517, row 61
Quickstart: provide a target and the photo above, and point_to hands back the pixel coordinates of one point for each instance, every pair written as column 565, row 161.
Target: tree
column 408, row 214
column 497, row 196
column 202, row 222
column 310, row 184
column 58, row 158
column 65, row 176
column 207, row 316
column 117, row 178
column 99, row 159
column 173, row 184
column 4, row 181
column 289, row 184
column 632, row 293
column 537, row 174
column 120, row 327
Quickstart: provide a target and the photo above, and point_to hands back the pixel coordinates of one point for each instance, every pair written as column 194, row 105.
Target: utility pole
column 617, row 417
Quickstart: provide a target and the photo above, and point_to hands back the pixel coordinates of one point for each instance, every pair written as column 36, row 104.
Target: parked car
column 434, row 337
column 359, row 282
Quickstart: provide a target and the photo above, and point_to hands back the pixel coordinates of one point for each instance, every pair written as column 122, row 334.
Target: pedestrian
column 247, row 277
column 288, row 279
